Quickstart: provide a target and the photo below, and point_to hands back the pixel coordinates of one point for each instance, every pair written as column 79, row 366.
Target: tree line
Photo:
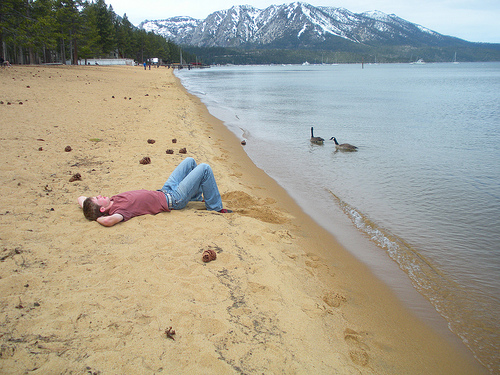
column 345, row 54
column 57, row 31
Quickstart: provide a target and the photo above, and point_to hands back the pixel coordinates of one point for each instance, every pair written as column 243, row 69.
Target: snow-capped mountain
column 291, row 26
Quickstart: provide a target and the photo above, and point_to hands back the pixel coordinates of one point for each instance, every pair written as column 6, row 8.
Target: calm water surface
column 423, row 190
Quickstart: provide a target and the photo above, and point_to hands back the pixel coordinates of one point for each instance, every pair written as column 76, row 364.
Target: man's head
column 94, row 207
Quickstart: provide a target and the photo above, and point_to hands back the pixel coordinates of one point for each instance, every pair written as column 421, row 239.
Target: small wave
column 408, row 258
column 487, row 187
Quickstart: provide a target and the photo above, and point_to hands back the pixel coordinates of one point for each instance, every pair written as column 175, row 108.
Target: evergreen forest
column 61, row 31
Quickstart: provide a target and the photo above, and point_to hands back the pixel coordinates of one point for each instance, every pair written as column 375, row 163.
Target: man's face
column 103, row 202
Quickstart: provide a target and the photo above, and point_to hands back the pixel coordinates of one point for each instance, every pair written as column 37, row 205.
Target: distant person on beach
column 188, row 182
column 4, row 62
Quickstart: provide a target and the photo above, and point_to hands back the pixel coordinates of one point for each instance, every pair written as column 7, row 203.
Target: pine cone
column 209, row 255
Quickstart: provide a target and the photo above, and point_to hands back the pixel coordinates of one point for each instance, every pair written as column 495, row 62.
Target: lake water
column 421, row 194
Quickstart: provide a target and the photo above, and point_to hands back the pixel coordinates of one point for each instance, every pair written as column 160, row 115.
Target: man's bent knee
column 205, row 167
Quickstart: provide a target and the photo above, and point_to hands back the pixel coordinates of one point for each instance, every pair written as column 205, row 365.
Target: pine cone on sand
column 209, row 255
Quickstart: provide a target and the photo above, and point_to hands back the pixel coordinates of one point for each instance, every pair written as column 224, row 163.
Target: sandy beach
column 75, row 297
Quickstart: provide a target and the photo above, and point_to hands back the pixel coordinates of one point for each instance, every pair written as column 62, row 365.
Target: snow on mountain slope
column 297, row 23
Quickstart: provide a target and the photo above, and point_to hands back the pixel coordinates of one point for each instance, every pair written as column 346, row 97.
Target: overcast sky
column 472, row 20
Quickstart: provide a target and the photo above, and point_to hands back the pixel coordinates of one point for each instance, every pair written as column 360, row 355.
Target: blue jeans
column 191, row 182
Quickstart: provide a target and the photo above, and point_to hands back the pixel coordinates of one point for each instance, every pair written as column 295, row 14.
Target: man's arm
column 109, row 221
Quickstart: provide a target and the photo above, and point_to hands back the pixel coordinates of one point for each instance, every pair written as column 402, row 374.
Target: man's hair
column 91, row 210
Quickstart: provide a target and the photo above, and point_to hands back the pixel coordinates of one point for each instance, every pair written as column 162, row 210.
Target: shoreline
column 282, row 295
column 310, row 228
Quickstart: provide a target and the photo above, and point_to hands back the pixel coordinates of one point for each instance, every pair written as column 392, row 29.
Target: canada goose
column 343, row 146
column 317, row 140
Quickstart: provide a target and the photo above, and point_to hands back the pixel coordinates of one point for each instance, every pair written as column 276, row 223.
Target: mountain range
column 301, row 26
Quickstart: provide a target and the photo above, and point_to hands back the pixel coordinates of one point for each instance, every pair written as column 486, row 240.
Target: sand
column 75, row 297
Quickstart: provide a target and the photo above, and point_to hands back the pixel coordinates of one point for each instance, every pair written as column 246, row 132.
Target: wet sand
column 75, row 297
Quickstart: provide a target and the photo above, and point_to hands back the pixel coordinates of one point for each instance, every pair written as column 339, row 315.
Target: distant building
column 129, row 62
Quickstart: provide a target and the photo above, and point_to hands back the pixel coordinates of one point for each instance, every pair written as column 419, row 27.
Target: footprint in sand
column 358, row 350
column 333, row 299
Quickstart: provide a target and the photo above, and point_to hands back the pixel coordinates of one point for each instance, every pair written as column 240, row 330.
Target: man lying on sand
column 188, row 182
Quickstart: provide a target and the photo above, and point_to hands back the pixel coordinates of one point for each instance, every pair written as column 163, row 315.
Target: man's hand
column 81, row 200
column 109, row 221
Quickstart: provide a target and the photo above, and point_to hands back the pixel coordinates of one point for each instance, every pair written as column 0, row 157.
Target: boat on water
column 418, row 62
